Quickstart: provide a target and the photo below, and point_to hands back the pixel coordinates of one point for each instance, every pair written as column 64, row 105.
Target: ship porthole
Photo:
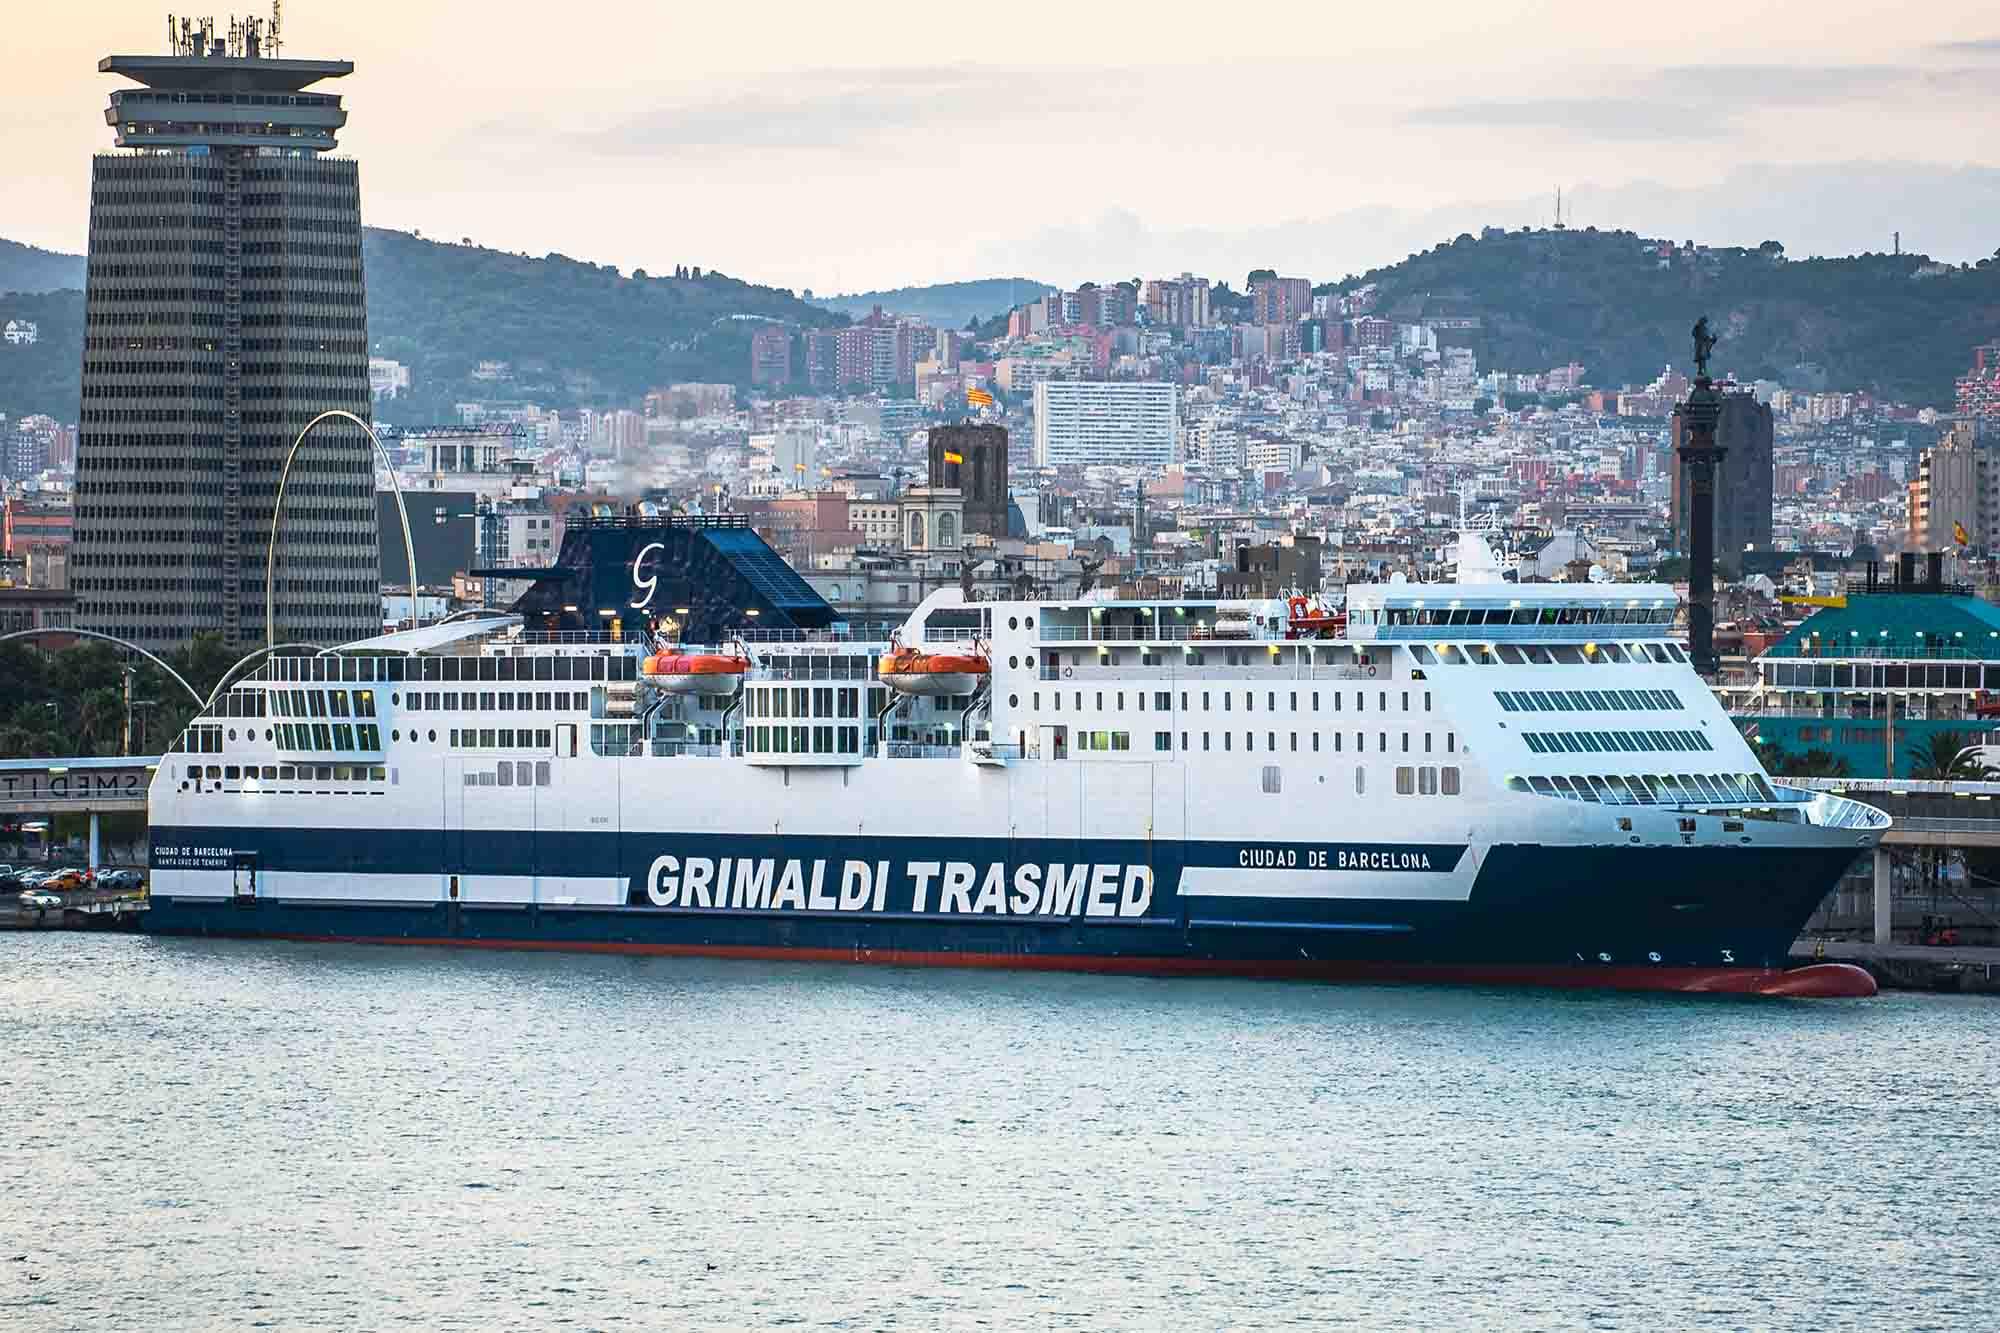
column 434, row 735
column 1013, row 701
column 1013, row 622
column 395, row 735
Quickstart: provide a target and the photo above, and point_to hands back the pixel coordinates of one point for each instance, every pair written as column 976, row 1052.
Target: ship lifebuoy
column 1068, row 672
column 1371, row 671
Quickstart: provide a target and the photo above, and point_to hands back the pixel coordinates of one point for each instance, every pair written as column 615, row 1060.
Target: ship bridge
column 707, row 577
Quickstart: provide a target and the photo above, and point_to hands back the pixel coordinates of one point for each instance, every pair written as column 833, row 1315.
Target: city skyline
column 1393, row 140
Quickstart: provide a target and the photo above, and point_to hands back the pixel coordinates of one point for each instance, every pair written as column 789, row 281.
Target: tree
column 1947, row 756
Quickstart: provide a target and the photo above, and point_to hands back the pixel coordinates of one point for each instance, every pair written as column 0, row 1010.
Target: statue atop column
column 1704, row 344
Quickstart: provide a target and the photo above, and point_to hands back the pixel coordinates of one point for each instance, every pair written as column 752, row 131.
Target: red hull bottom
column 1815, row 981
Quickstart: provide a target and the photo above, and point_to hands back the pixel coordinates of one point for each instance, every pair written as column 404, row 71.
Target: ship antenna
column 277, row 28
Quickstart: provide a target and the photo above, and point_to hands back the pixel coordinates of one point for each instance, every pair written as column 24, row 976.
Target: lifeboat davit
column 916, row 671
column 695, row 673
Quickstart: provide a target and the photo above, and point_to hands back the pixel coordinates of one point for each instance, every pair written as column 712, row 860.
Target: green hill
column 1892, row 324
column 572, row 333
column 43, row 376
column 945, row 305
column 28, row 268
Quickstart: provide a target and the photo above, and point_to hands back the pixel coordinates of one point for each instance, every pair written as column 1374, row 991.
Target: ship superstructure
column 1471, row 781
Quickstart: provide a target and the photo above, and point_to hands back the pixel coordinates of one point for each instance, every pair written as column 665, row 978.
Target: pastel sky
column 849, row 146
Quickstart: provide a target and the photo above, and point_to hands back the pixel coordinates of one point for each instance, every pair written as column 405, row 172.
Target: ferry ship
column 668, row 746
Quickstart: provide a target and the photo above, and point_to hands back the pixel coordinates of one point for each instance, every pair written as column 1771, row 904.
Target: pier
column 81, row 909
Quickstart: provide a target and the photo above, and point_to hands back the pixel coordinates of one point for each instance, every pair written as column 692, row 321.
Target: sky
column 848, row 147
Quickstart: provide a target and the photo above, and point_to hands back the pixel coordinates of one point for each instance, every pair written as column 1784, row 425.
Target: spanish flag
column 977, row 397
column 1958, row 533
column 951, row 457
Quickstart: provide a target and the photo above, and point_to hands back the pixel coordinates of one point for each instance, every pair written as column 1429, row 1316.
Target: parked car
column 35, row 900
column 123, row 879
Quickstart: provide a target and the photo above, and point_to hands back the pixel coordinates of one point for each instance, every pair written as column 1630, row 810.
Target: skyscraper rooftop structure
column 224, row 310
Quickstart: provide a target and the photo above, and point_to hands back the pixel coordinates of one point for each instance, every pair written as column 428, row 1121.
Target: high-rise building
column 224, row 310
column 1280, row 300
column 1083, row 423
column 1177, row 302
column 771, row 356
column 1957, row 486
column 979, row 474
column 1743, row 482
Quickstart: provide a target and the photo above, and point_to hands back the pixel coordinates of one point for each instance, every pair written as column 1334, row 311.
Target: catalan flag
column 951, row 457
column 977, row 397
column 1958, row 533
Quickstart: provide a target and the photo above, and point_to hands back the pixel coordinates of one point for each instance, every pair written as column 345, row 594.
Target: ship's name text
column 1316, row 858
column 948, row 888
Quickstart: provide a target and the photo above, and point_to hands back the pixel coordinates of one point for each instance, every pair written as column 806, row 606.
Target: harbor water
column 222, row 1134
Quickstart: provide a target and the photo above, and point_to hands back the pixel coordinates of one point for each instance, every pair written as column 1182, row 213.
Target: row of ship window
column 1163, row 741
column 1651, row 788
column 803, row 740
column 491, row 701
column 1411, row 780
column 1584, row 701
column 1547, row 654
column 803, row 701
column 1518, row 615
column 1612, row 742
column 511, row 773
column 329, row 736
column 498, row 738
column 310, row 703
column 1163, row 700
column 194, row 774
column 451, row 670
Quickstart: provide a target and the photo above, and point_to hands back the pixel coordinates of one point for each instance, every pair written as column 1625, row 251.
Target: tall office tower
column 224, row 311
column 1743, row 483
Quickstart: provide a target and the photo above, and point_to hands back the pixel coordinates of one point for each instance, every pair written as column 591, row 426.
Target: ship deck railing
column 919, row 750
column 1200, row 633
column 1916, row 713
column 1171, row 669
column 1834, row 650
column 577, row 636
column 814, row 669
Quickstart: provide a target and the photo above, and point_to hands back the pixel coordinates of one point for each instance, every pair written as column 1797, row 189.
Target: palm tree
column 1820, row 763
column 1947, row 756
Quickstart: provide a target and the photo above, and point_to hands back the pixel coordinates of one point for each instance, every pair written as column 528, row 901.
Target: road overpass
column 93, row 787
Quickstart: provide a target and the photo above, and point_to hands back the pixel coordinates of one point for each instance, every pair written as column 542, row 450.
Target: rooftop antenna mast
column 277, row 28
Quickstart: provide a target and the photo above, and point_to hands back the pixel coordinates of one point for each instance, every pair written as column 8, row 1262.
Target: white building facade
column 1091, row 423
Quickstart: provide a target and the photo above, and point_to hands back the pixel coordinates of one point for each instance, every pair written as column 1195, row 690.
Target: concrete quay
column 1910, row 966
column 82, row 909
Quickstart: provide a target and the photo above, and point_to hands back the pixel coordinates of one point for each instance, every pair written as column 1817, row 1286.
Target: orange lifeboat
column 915, row 671
column 695, row 673
column 1307, row 619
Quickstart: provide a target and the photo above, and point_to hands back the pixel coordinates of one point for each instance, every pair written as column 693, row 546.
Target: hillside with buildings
column 1619, row 305
column 555, row 328
column 469, row 322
